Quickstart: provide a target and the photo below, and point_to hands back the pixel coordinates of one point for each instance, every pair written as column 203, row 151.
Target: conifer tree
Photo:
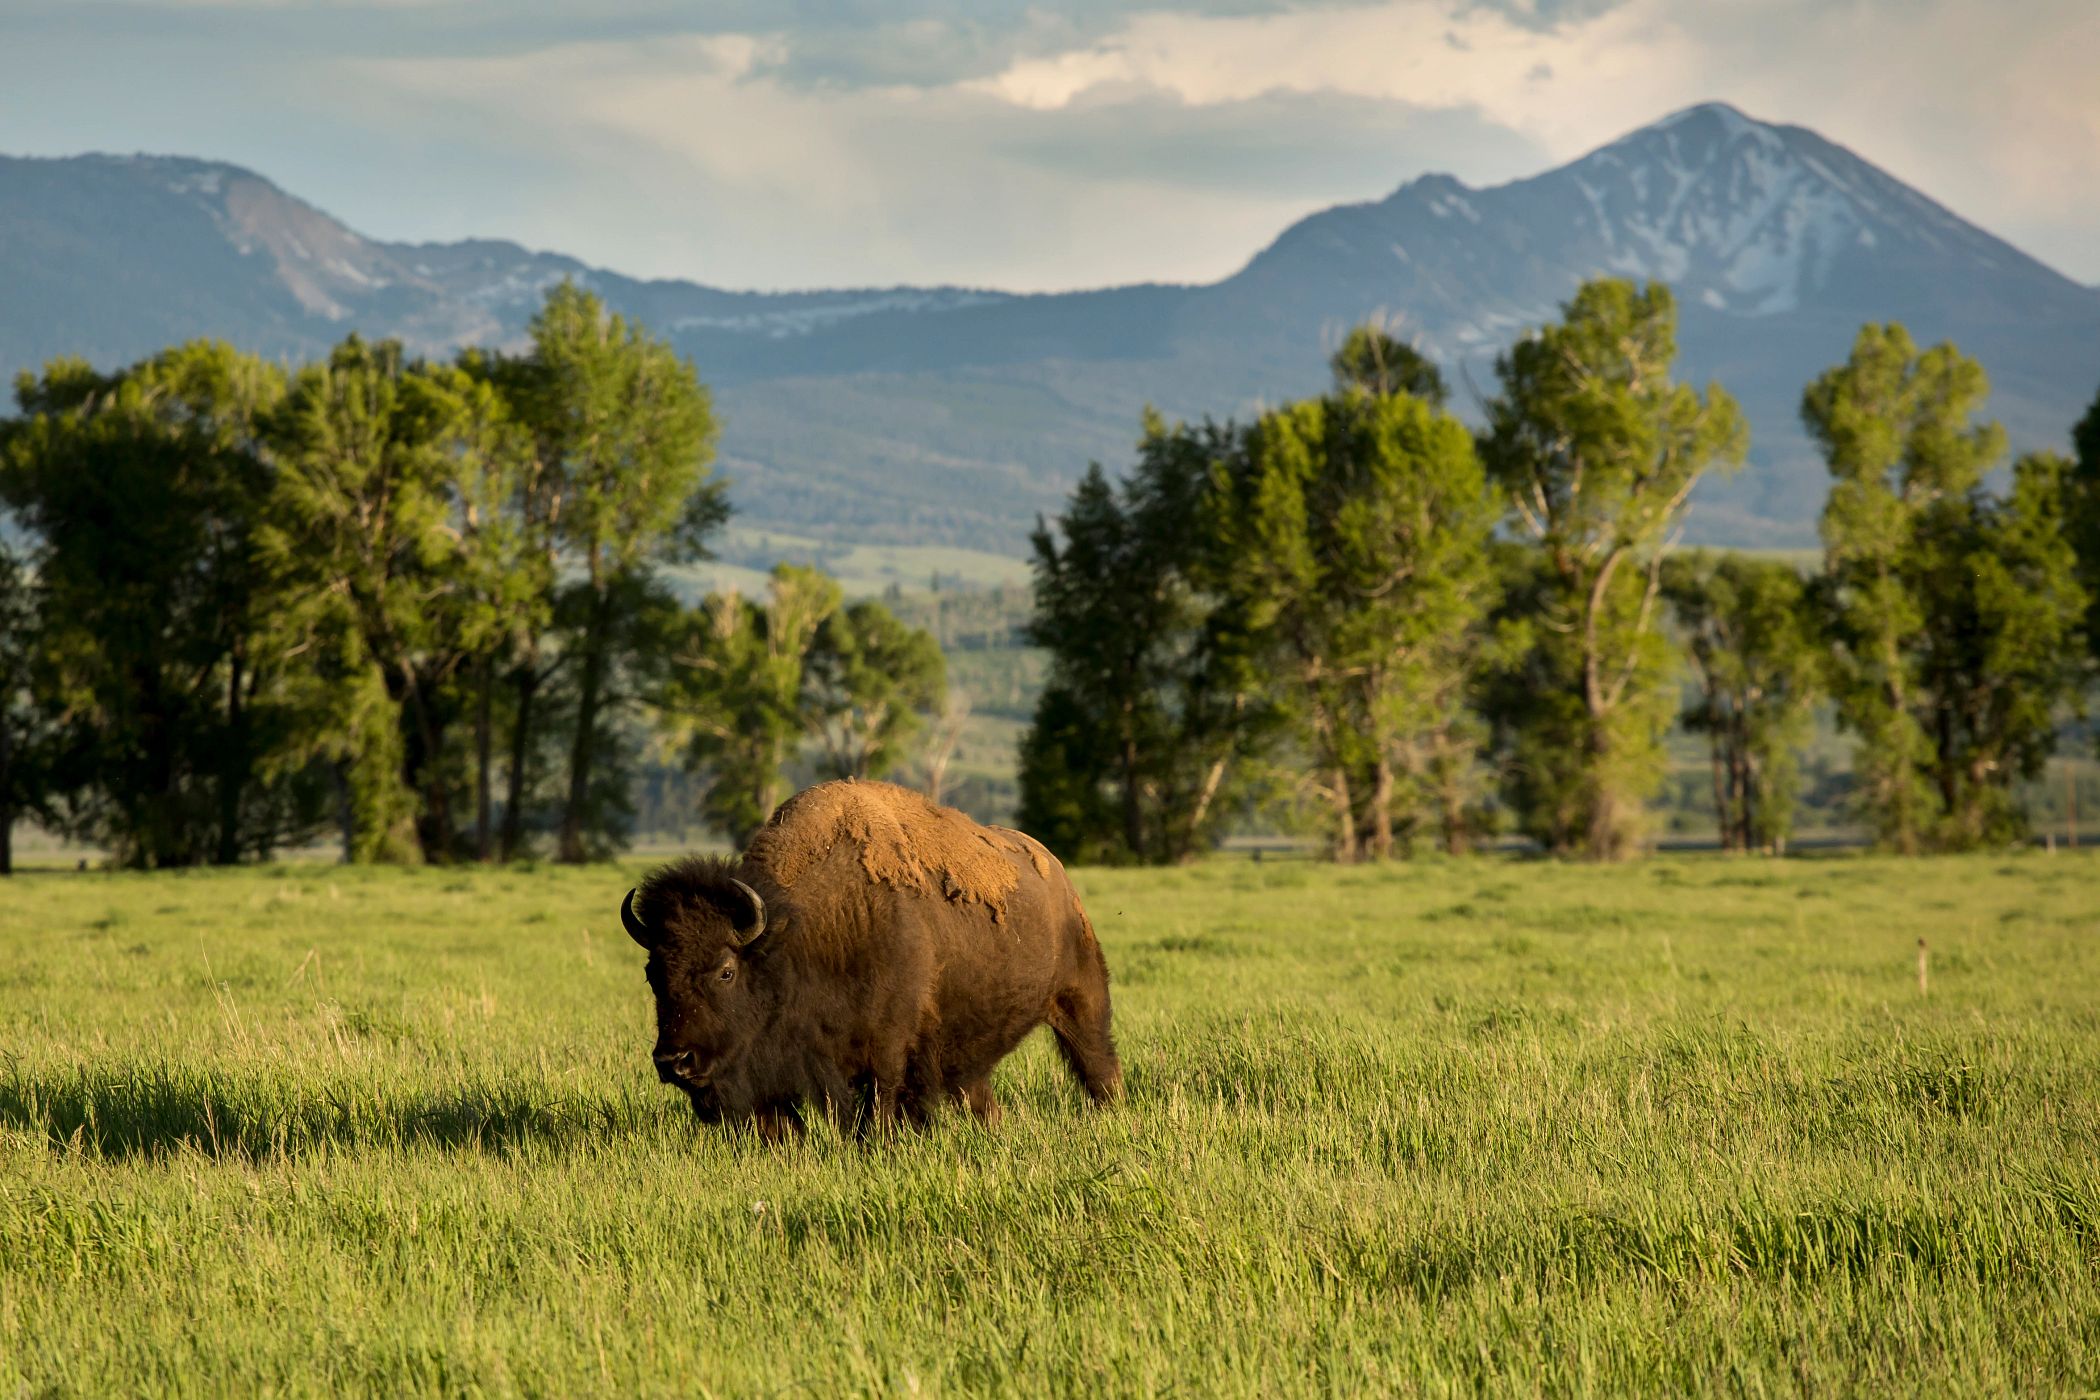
column 1152, row 697
column 21, row 775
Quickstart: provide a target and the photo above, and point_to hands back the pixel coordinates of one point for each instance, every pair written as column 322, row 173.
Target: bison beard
column 872, row 954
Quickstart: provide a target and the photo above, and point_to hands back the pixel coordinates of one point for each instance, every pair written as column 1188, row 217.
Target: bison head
column 702, row 928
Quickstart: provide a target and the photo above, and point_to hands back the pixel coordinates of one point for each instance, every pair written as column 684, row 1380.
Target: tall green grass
column 1686, row 1126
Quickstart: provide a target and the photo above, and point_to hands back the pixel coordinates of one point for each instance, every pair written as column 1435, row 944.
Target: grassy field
column 1685, row 1126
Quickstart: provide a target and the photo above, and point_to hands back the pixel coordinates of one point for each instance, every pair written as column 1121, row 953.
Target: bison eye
column 727, row 974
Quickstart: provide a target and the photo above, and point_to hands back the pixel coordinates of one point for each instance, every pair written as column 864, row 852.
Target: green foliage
column 1350, row 534
column 143, row 495
column 1380, row 365
column 1596, row 450
column 386, row 535
column 867, row 685
column 1151, row 695
column 1954, row 612
column 622, row 434
column 2081, row 509
column 24, row 762
column 1473, row 1127
column 1752, row 628
column 749, row 684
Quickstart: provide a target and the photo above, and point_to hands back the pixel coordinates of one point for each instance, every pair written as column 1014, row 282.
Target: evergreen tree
column 21, row 759
column 1750, row 626
column 1596, row 450
column 2081, row 506
column 1150, row 697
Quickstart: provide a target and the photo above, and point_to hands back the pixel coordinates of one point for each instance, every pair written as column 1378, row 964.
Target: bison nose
column 673, row 1065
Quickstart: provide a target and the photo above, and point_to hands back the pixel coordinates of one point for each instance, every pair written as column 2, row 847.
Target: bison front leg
column 778, row 1123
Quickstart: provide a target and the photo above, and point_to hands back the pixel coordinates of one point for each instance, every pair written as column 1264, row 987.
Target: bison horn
column 749, row 932
column 636, row 929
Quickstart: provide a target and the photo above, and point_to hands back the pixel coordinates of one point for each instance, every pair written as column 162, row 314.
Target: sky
column 774, row 144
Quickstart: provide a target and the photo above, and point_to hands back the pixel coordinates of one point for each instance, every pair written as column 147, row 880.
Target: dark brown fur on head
column 713, row 979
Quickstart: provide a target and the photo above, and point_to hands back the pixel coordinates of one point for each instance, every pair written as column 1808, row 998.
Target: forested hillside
column 951, row 416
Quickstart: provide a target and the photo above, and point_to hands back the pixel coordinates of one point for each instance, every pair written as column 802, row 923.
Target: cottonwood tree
column 1955, row 612
column 1895, row 429
column 144, row 493
column 623, row 434
column 1999, row 656
column 1354, row 533
column 389, row 474
column 868, row 684
column 1595, row 450
column 1373, row 360
column 1750, row 626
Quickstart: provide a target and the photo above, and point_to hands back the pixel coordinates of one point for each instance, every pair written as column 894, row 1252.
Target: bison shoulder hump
column 903, row 841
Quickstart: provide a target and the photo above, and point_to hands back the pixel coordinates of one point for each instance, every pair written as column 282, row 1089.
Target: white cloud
column 990, row 144
column 1604, row 72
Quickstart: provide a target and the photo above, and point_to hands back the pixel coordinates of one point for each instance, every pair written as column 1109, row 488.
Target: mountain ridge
column 957, row 414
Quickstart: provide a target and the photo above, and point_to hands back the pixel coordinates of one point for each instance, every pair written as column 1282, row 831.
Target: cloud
column 1012, row 143
column 1291, row 145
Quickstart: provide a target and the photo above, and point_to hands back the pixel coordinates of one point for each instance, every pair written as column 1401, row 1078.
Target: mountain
column 955, row 415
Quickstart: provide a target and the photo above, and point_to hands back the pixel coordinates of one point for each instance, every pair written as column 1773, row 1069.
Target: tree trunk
column 528, row 684
column 483, row 849
column 1382, row 806
column 1345, row 850
column 584, row 746
column 233, row 763
column 1749, row 788
column 1603, row 840
column 7, row 790
column 1906, row 820
column 345, row 811
column 1199, row 810
column 1724, row 811
column 421, row 771
column 1133, row 808
column 1451, row 798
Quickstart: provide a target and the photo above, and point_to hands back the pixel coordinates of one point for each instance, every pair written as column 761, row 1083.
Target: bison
column 873, row 954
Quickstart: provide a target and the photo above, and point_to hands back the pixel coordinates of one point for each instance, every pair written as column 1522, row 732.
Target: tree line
column 426, row 606
column 1359, row 613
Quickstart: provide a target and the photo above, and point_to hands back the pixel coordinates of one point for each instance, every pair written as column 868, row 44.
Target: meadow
column 1488, row 1126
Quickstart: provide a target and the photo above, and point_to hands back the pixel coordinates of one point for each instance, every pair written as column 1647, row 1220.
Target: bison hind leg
column 1079, row 1019
column 977, row 1097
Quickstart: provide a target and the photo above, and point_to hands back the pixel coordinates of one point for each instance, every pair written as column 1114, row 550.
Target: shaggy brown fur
column 906, row 950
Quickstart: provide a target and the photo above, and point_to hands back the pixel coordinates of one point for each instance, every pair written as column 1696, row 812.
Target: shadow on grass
column 158, row 1110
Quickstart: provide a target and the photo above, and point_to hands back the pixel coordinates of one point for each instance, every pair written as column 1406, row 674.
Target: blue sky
column 795, row 143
